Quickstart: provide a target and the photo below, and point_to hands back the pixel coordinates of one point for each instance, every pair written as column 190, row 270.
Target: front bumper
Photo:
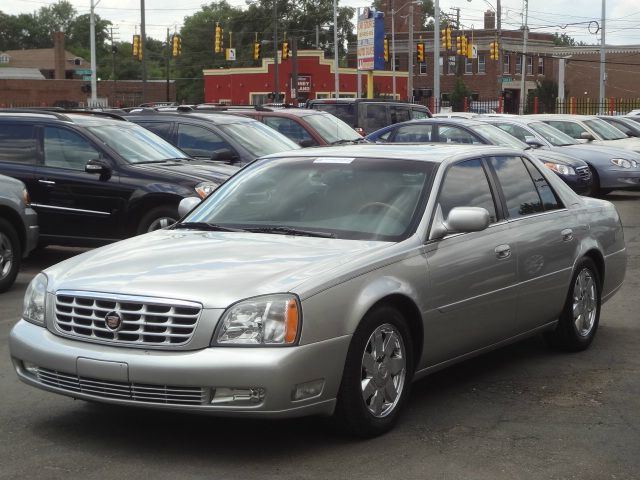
column 109, row 374
column 620, row 178
column 30, row 218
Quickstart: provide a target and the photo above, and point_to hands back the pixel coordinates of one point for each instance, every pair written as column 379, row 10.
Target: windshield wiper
column 291, row 231
column 211, row 227
column 344, row 140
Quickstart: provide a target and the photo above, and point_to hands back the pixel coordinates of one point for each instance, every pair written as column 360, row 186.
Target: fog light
column 30, row 368
column 311, row 389
column 237, row 396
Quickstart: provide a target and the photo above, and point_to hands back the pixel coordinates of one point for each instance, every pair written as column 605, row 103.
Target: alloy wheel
column 6, row 256
column 584, row 302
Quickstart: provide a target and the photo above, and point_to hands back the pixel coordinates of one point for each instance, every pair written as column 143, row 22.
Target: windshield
column 136, row 144
column 349, row 198
column 344, row 111
column 258, row 138
column 604, row 130
column 498, row 137
column 331, row 128
column 552, row 135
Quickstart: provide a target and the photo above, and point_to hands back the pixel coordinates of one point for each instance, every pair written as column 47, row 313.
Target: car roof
column 77, row 117
column 211, row 117
column 557, row 116
column 428, row 152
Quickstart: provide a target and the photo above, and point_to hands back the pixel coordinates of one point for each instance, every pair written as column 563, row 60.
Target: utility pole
column 143, row 48
column 436, row 57
column 92, row 46
column 393, row 47
column 113, row 64
column 411, row 58
column 523, row 95
column 500, row 59
column 168, row 61
column 276, row 79
column 294, row 69
column 603, row 65
column 335, row 43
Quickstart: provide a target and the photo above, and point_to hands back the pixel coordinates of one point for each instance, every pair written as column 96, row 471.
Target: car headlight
column 624, row 163
column 34, row 300
column 265, row 320
column 205, row 188
column 560, row 168
column 25, row 197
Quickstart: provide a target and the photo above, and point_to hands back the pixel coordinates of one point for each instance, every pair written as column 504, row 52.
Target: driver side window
column 466, row 185
column 66, row 149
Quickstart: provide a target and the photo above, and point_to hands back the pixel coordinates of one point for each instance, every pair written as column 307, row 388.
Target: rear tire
column 10, row 255
column 377, row 375
column 578, row 322
column 157, row 218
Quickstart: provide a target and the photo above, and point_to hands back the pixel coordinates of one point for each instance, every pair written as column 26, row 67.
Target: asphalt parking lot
column 522, row 412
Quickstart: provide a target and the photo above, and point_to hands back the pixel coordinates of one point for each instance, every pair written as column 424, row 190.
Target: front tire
column 10, row 255
column 580, row 316
column 157, row 218
column 377, row 374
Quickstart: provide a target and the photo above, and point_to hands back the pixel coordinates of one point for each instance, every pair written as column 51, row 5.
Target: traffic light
column 285, row 50
column 469, row 50
column 218, row 39
column 256, row 51
column 445, row 37
column 459, row 44
column 176, row 45
column 136, row 51
column 386, row 49
column 420, row 51
column 494, row 50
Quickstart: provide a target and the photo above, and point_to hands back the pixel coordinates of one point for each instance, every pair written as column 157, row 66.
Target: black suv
column 214, row 136
column 95, row 178
column 368, row 115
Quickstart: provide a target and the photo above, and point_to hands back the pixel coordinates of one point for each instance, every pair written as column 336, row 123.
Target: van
column 368, row 115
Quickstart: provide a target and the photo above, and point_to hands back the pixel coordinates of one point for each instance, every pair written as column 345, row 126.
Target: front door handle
column 47, row 182
column 567, row 235
column 503, row 251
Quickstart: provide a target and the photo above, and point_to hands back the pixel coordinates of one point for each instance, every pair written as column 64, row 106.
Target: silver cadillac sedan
column 325, row 281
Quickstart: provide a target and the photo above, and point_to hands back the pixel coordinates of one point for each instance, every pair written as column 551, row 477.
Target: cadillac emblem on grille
column 113, row 320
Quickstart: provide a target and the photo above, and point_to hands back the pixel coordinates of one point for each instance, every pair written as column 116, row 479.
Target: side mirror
column 460, row 220
column 224, row 154
column 587, row 136
column 306, row 143
column 187, row 204
column 98, row 167
column 533, row 142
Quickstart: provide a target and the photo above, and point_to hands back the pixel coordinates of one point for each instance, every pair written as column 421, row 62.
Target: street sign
column 86, row 77
column 230, row 54
column 371, row 40
column 83, row 72
column 507, row 79
column 304, row 83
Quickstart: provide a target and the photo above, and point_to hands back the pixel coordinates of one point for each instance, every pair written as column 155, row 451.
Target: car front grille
column 162, row 394
column 142, row 321
column 584, row 173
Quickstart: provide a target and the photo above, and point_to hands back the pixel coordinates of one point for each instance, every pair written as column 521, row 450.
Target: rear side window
column 375, row 117
column 419, row 113
column 17, row 143
column 572, row 129
column 549, row 199
column 199, row 142
column 344, row 111
column 520, row 192
column 414, row 133
column 399, row 113
column 161, row 129
column 466, row 185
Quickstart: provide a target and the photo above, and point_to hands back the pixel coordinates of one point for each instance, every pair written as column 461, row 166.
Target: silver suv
column 18, row 229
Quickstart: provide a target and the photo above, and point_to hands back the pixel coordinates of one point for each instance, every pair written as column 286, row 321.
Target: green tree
column 547, row 93
column 459, row 93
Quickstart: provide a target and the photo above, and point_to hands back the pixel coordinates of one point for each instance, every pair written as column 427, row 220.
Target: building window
column 468, row 66
column 482, row 68
column 4, row 58
column 506, row 64
column 423, row 68
column 518, row 64
column 397, row 62
column 529, row 65
column 540, row 65
column 451, row 61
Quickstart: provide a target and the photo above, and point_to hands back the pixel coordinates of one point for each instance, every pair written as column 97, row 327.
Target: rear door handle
column 567, row 235
column 503, row 251
column 47, row 182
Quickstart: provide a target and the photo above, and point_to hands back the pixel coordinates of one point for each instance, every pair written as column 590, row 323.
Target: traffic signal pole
column 169, row 47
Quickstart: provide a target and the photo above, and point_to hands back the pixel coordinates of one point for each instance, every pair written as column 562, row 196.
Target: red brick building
column 316, row 79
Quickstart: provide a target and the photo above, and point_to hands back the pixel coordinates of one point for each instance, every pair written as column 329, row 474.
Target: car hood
column 626, row 143
column 559, row 156
column 195, row 170
column 212, row 268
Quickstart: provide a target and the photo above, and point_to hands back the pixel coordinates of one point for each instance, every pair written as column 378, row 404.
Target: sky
column 574, row 17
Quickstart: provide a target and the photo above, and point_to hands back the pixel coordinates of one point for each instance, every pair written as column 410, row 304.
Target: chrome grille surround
column 157, row 394
column 145, row 321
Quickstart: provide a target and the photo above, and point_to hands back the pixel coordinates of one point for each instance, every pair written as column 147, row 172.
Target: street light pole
column 523, row 96
column 410, row 48
column 92, row 42
column 276, row 79
column 436, row 56
column 336, row 64
column 393, row 47
column 602, row 61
